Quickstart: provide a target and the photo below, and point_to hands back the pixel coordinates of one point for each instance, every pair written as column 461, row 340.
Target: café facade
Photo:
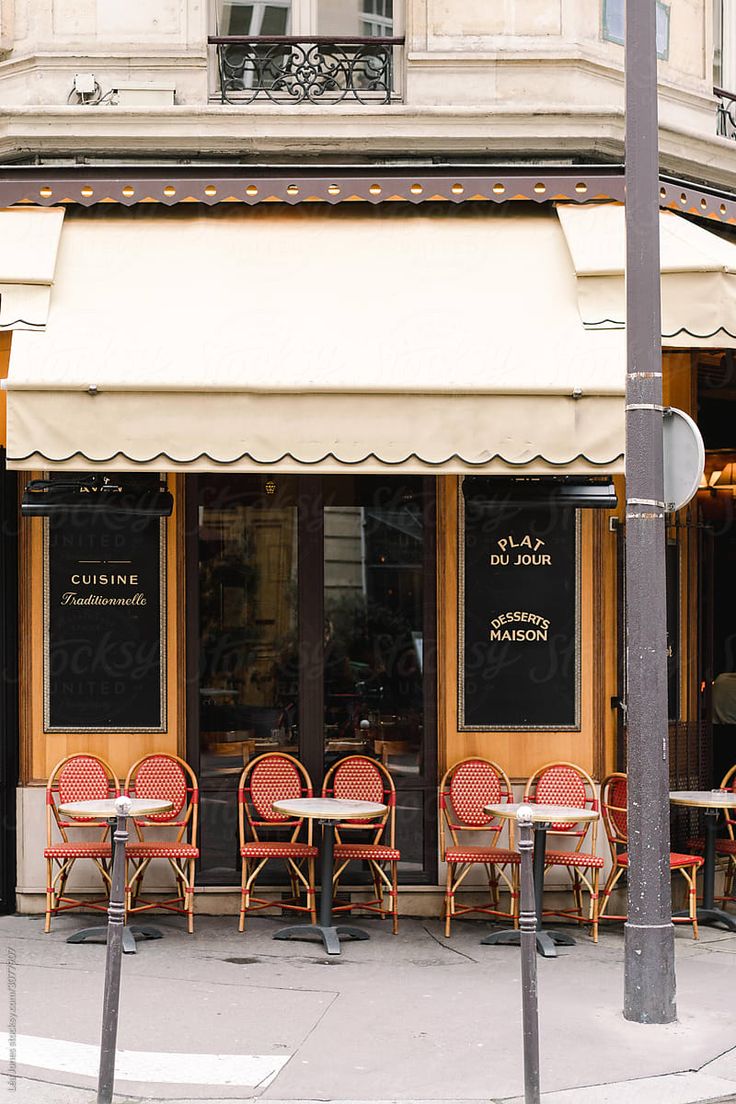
column 389, row 414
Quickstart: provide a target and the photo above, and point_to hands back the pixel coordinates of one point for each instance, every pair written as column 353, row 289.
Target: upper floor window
column 614, row 24
column 724, row 43
column 334, row 50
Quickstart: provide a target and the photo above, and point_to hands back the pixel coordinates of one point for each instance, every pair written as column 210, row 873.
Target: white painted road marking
column 246, row 1070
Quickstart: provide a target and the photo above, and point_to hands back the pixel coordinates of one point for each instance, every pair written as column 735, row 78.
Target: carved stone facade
column 511, row 79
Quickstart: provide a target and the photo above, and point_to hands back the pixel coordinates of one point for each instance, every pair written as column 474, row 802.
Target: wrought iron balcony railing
column 726, row 126
column 295, row 70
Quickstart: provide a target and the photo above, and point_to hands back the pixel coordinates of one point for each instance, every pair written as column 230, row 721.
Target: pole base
column 330, row 936
column 649, row 973
column 130, row 934
column 548, row 940
column 711, row 917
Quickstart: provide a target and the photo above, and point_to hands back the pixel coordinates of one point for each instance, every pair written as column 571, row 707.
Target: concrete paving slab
column 678, row 1088
column 416, row 1017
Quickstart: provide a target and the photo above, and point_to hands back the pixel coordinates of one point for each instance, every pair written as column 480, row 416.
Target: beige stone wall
column 516, row 78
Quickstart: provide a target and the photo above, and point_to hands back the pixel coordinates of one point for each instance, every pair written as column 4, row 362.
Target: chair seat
column 89, row 849
column 573, row 858
column 676, row 860
column 496, row 855
column 378, row 852
column 278, row 849
column 161, row 849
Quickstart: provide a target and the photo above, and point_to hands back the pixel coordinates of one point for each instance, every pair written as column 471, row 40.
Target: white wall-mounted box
column 143, row 94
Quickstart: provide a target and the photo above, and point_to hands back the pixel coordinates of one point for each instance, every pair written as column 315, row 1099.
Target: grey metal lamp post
column 649, row 979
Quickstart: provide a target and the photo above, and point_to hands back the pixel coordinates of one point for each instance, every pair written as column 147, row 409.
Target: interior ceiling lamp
column 583, row 493
column 94, row 495
column 723, row 477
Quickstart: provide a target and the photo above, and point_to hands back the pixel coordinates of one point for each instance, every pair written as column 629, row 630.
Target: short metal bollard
column 528, row 928
column 115, row 923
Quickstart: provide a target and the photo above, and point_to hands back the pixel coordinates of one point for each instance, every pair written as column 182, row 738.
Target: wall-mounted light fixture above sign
column 94, row 494
column 581, row 492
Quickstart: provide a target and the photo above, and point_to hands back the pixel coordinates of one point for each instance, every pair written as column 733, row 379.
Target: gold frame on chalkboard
column 163, row 637
column 461, row 725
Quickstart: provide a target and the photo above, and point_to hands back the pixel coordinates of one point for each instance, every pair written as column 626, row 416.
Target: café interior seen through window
column 304, row 583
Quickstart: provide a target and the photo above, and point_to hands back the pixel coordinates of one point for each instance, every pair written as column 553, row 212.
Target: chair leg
column 49, row 894
column 243, row 879
column 594, row 903
column 395, row 897
column 692, row 882
column 190, row 898
column 448, row 901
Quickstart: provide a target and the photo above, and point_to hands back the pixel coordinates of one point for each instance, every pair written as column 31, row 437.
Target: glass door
column 378, row 642
column 247, row 679
column 311, row 616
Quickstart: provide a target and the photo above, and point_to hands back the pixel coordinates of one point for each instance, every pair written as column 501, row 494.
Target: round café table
column 711, row 802
column 543, row 817
column 327, row 811
column 105, row 809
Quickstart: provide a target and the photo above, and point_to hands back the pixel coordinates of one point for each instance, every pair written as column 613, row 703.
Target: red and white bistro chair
column 727, row 844
column 614, row 799
column 166, row 778
column 466, row 789
column 275, row 777
column 76, row 778
column 359, row 778
column 569, row 785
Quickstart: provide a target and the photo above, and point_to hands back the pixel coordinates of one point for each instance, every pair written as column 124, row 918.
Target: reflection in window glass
column 249, row 677
column 374, row 631
column 614, row 24
column 363, row 18
column 257, row 18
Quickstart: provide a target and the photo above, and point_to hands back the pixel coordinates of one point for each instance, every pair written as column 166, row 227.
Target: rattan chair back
column 359, row 778
column 163, row 777
column 614, row 796
column 569, row 785
column 81, row 777
column 467, row 787
column 274, row 776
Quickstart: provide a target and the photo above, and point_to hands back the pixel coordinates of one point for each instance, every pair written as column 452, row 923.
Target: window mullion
column 304, row 17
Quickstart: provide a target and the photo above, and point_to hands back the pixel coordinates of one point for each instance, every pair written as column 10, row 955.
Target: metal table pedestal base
column 130, row 934
column 712, row 916
column 329, row 932
column 547, row 940
column 330, row 936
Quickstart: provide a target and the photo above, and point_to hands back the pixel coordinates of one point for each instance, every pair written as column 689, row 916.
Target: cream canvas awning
column 698, row 275
column 351, row 338
column 29, row 241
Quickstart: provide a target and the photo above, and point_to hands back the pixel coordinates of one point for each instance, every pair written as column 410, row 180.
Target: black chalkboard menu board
column 519, row 617
column 104, row 623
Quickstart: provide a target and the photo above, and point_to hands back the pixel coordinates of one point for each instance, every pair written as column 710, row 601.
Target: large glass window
column 272, row 18
column 248, row 683
column 312, row 619
column 363, row 18
column 724, row 43
column 374, row 632
column 614, row 24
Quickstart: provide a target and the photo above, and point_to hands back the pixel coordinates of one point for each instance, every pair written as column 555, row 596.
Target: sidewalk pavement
column 223, row 1016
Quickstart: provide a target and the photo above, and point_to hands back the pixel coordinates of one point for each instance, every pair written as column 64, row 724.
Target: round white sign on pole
column 684, row 458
